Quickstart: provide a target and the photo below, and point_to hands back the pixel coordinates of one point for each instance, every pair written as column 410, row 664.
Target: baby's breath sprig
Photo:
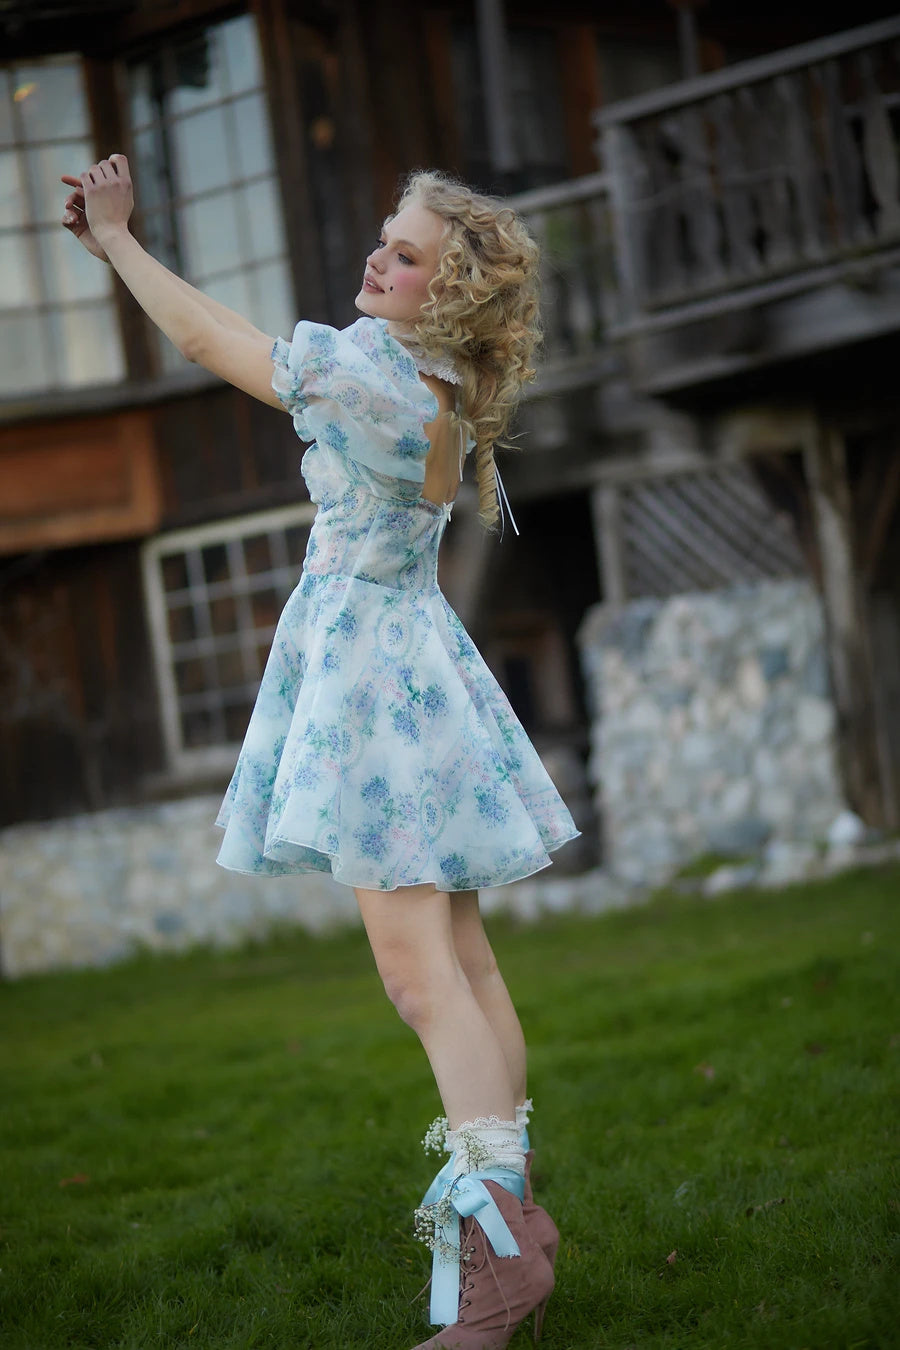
column 472, row 1149
column 429, row 1223
column 435, row 1140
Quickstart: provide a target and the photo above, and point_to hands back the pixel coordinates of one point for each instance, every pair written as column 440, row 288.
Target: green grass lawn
column 221, row 1150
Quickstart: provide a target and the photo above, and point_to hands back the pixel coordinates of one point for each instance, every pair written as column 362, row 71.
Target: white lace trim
column 523, row 1113
column 445, row 368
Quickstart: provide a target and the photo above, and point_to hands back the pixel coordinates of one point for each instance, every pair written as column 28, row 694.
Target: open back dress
column 380, row 748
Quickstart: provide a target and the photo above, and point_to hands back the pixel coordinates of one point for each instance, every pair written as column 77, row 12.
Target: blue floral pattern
column 380, row 747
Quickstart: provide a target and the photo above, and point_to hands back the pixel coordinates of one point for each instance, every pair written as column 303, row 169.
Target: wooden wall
column 78, row 717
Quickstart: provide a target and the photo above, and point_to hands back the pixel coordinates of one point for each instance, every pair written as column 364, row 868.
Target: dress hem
column 287, row 869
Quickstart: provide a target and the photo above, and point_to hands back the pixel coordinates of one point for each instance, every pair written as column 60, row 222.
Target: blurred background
column 699, row 623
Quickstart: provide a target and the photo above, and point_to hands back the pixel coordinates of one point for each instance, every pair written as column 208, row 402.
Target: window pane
column 6, row 126
column 257, row 554
column 174, row 572
column 241, row 52
column 44, row 168
column 273, row 311
column 215, row 563
column 51, row 100
column 143, row 107
column 297, row 536
column 199, row 74
column 191, row 676
column 13, row 206
column 20, row 284
column 151, row 181
column 69, row 271
column 266, row 609
column 91, row 350
column 201, row 152
column 230, row 669
column 199, row 728
column 211, row 237
column 26, row 363
column 223, row 615
column 262, row 218
column 252, row 137
column 236, row 719
column 231, row 290
column 181, row 624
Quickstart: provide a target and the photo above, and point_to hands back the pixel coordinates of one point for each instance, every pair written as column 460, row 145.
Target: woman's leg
column 479, row 965
column 411, row 934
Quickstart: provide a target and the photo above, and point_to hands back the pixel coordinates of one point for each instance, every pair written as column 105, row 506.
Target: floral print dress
column 381, row 748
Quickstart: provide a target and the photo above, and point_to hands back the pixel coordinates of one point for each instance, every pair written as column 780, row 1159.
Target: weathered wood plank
column 842, row 159
column 881, row 150
column 825, row 463
column 606, row 515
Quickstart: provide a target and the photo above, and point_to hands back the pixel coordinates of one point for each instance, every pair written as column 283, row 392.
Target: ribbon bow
column 468, row 1196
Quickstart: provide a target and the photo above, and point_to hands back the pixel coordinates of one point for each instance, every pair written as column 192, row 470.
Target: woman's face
column 401, row 265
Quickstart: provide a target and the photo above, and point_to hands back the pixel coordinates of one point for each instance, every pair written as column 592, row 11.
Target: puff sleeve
column 356, row 391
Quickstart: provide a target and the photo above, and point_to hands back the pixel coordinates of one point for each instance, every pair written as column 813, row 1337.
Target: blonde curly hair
column 483, row 311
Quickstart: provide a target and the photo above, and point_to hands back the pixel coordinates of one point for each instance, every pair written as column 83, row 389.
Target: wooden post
column 606, row 513
column 493, row 48
column 825, row 464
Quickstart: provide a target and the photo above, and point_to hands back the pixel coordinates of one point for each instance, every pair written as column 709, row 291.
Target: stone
column 786, row 862
column 814, row 719
column 751, row 685
column 846, row 828
column 774, row 662
column 740, row 837
column 730, row 878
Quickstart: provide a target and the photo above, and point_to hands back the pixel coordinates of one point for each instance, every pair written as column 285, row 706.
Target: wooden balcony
column 742, row 219
column 756, row 211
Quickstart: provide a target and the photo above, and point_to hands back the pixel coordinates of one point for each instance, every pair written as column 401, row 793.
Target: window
column 205, row 173
column 214, row 595
column 58, row 322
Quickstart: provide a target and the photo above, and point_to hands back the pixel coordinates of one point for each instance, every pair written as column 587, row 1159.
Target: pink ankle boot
column 540, row 1225
column 496, row 1293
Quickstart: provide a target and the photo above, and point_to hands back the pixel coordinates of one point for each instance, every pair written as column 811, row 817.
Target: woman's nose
column 373, row 262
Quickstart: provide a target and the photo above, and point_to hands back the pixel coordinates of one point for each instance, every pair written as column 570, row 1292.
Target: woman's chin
column 371, row 303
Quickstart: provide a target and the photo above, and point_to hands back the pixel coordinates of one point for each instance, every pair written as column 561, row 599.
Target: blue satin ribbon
column 468, row 1196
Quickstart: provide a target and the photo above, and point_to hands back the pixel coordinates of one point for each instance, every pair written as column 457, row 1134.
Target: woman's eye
column 403, row 258
column 379, row 243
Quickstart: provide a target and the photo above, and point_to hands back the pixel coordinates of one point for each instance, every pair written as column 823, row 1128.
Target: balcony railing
column 570, row 220
column 758, row 181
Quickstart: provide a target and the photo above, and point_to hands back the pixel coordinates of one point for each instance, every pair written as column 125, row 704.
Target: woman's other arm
column 205, row 332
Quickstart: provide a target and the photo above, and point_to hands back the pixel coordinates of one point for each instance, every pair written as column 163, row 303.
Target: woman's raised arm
column 205, row 332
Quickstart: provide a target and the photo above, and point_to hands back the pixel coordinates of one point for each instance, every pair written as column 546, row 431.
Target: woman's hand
column 108, row 197
column 75, row 221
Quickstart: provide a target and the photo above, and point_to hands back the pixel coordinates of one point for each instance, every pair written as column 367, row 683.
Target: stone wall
column 93, row 889
column 714, row 728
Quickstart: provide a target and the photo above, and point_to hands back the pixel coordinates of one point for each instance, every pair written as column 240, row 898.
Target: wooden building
column 716, row 188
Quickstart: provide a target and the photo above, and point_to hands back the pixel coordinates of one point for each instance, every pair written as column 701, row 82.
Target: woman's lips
column 370, row 285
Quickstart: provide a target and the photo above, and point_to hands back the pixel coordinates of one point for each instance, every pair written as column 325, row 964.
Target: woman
column 380, row 747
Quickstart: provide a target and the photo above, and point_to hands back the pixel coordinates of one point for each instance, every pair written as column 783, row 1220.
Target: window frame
column 183, row 761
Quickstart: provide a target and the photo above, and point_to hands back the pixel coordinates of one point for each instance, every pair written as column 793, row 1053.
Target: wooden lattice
column 703, row 531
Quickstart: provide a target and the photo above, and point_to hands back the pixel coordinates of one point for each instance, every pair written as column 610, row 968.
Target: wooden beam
column 606, row 513
column 825, row 464
column 289, row 134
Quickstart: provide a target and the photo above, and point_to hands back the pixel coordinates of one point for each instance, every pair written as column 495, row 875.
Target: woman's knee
column 419, row 993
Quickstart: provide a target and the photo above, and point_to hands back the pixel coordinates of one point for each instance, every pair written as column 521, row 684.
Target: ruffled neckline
column 443, row 367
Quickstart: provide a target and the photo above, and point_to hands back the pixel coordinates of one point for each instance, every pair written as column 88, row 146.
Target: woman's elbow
column 192, row 347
